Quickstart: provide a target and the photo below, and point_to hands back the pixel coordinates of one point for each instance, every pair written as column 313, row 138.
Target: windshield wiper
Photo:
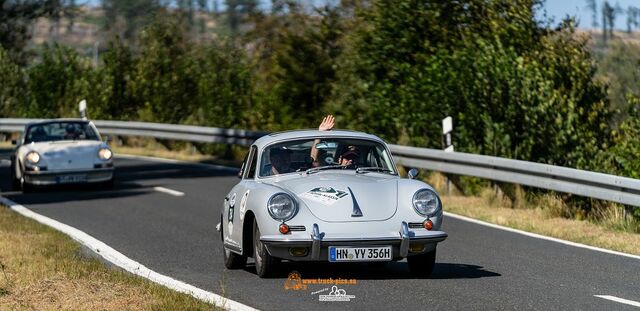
column 363, row 170
column 321, row 168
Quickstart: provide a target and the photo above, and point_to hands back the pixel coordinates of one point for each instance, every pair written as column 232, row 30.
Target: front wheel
column 265, row 263
column 422, row 265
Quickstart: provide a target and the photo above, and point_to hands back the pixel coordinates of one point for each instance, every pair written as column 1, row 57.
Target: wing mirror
column 108, row 138
column 413, row 173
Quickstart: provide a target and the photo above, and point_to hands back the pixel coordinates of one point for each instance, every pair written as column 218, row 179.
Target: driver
column 70, row 132
column 349, row 156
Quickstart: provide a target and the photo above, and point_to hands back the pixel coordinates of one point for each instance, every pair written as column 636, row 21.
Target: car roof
column 311, row 133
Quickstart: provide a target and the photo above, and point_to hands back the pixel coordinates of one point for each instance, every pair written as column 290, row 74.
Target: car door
column 235, row 202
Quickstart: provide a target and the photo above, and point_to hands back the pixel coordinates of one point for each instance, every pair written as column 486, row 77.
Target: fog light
column 298, row 251
column 428, row 224
column 416, row 247
column 283, row 228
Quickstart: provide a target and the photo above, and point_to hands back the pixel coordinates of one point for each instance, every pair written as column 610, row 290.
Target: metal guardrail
column 562, row 179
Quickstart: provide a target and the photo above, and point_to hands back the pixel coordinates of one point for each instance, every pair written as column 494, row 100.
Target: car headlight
column 105, row 154
column 33, row 157
column 282, row 207
column 426, row 202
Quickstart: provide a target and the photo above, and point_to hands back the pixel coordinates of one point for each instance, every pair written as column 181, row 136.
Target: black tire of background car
column 231, row 259
column 107, row 185
column 266, row 265
column 15, row 182
column 422, row 265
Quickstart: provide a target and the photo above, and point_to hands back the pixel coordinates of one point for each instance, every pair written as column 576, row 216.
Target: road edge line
column 540, row 236
column 113, row 256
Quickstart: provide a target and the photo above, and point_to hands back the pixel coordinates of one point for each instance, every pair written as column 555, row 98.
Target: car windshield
column 314, row 155
column 64, row 130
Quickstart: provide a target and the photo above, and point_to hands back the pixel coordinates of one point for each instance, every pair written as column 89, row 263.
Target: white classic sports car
column 328, row 196
column 61, row 151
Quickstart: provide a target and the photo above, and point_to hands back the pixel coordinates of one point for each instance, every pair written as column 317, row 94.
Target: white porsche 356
column 60, row 151
column 328, row 196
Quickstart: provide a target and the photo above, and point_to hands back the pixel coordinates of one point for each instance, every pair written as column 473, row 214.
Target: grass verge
column 543, row 220
column 43, row 269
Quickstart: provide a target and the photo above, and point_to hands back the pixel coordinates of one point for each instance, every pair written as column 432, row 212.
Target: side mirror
column 14, row 142
column 413, row 173
column 108, row 138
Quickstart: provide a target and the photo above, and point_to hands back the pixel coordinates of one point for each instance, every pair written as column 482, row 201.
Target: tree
column 16, row 17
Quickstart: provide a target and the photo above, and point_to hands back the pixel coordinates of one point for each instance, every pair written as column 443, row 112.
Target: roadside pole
column 82, row 106
column 447, row 143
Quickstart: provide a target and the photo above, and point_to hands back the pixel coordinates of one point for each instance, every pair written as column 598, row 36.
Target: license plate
column 377, row 253
column 71, row 179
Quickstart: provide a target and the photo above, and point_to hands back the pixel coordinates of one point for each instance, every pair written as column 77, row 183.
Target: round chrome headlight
column 282, row 207
column 105, row 154
column 33, row 157
column 426, row 202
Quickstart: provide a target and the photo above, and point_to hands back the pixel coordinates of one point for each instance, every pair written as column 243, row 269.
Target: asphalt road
column 477, row 267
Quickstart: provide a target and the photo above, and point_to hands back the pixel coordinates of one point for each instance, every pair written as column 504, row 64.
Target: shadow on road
column 129, row 175
column 377, row 271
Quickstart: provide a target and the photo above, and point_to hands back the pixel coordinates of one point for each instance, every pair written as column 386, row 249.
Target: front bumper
column 45, row 178
column 318, row 243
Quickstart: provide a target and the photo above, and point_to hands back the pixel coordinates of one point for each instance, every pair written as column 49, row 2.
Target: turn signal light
column 283, row 228
column 428, row 224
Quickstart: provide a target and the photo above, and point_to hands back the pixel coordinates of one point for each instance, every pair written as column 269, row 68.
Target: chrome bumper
column 44, row 178
column 318, row 242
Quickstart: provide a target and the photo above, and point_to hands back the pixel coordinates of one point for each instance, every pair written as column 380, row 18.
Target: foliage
column 16, row 17
column 489, row 65
column 12, row 86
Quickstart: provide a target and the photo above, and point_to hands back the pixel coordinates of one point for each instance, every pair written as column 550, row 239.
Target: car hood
column 68, row 155
column 346, row 197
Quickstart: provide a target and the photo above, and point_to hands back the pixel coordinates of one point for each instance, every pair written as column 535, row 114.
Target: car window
column 64, row 130
column 295, row 155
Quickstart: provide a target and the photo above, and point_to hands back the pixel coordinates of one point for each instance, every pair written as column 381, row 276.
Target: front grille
column 416, row 225
column 297, row 228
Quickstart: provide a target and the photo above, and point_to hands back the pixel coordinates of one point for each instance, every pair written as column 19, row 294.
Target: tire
column 422, row 265
column 265, row 264
column 231, row 259
column 26, row 187
column 107, row 185
column 15, row 182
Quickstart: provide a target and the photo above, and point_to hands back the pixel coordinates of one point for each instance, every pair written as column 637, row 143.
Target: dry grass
column 42, row 269
column 544, row 220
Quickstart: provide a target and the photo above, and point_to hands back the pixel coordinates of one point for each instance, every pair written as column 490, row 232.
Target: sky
column 557, row 9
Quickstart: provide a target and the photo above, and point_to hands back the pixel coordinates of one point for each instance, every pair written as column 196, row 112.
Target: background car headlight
column 105, row 154
column 282, row 207
column 426, row 202
column 33, row 157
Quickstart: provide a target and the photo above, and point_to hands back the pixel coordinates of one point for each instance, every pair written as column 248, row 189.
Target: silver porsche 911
column 328, row 196
column 60, row 151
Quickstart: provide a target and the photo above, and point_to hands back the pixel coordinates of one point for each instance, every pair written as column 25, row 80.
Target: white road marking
column 169, row 191
column 538, row 236
column 620, row 300
column 125, row 262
